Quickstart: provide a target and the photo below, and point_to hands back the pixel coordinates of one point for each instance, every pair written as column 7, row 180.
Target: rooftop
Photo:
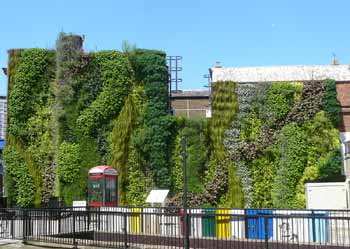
column 190, row 93
column 281, row 73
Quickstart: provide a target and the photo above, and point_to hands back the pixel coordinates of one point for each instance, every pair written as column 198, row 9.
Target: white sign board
column 79, row 203
column 157, row 196
column 326, row 195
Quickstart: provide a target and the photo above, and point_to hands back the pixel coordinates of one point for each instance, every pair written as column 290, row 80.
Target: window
column 96, row 190
column 111, row 189
column 347, row 148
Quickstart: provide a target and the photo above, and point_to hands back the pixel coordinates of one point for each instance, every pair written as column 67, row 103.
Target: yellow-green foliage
column 176, row 166
column 263, row 172
column 41, row 151
column 234, row 196
column 19, row 181
column 116, row 78
column 224, row 109
column 321, row 155
column 119, row 138
column 31, row 72
column 136, row 180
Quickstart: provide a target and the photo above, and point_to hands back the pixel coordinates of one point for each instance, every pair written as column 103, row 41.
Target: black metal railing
column 147, row 227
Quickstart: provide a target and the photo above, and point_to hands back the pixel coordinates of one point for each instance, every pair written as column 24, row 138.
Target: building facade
column 339, row 73
column 191, row 103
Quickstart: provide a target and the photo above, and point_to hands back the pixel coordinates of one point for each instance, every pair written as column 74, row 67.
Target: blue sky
column 237, row 33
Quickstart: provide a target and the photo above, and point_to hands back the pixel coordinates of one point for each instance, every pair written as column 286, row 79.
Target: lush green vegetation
column 28, row 151
column 70, row 110
column 278, row 143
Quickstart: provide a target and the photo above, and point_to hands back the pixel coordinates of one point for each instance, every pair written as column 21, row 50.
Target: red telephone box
column 103, row 182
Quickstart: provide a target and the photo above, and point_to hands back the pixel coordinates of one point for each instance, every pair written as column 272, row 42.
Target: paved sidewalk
column 14, row 244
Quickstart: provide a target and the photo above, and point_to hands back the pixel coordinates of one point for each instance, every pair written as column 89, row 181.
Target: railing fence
column 141, row 227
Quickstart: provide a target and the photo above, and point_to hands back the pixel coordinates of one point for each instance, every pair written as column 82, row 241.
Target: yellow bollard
column 136, row 220
column 222, row 224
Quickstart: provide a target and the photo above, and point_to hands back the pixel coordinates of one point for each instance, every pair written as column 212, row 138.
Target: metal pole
column 266, row 220
column 125, row 231
column 186, row 232
column 75, row 244
column 313, row 226
column 24, row 222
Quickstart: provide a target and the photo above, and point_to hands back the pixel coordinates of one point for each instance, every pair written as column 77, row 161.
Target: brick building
column 339, row 73
column 191, row 103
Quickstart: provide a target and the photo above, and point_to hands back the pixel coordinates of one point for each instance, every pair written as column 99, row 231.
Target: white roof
column 281, row 73
column 157, row 196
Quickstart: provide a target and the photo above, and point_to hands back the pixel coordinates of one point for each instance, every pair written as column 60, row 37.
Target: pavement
column 15, row 244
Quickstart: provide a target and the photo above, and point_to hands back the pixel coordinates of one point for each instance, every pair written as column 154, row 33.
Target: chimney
column 218, row 64
column 334, row 60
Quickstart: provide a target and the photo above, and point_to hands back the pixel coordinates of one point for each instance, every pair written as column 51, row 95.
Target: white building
column 3, row 117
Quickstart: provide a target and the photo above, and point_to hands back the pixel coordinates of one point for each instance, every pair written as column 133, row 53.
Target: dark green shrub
column 154, row 139
column 311, row 102
column 331, row 104
column 330, row 167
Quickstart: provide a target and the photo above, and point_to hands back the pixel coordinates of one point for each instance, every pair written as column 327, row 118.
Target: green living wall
column 263, row 142
column 70, row 110
column 285, row 134
column 28, row 152
column 212, row 179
